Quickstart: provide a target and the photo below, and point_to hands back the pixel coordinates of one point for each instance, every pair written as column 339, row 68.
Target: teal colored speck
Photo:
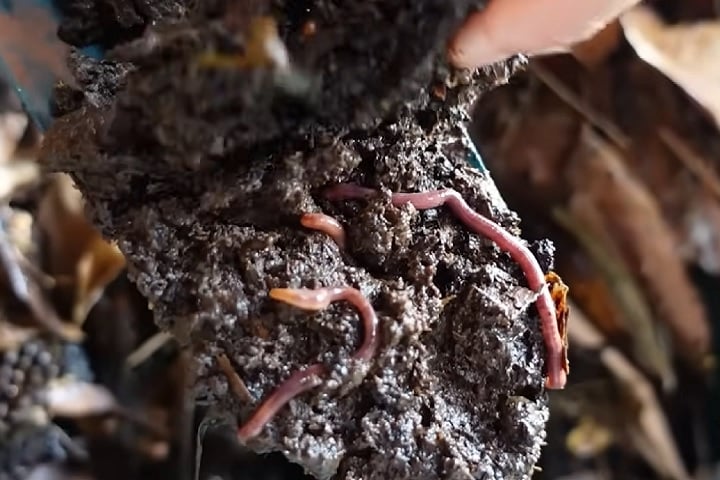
column 473, row 158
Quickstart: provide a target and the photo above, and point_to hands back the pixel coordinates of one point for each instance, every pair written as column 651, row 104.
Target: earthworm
column 556, row 367
column 311, row 377
column 298, row 383
column 321, row 298
column 326, row 224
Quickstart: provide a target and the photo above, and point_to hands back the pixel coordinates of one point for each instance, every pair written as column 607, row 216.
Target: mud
column 201, row 176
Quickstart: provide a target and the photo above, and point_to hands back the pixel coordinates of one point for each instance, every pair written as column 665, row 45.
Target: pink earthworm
column 555, row 363
column 326, row 224
column 312, row 376
column 298, row 383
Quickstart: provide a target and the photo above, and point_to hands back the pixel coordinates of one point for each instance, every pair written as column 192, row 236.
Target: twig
column 573, row 100
column 237, row 386
column 692, row 161
column 147, row 349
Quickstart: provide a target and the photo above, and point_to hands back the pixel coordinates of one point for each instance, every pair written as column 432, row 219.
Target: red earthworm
column 326, row 224
column 298, row 383
column 311, row 377
column 556, row 366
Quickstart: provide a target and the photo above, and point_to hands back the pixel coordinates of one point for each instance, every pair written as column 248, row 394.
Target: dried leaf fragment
column 634, row 220
column 591, row 232
column 559, row 293
column 13, row 336
column 650, row 432
column 76, row 248
column 101, row 263
column 686, row 53
column 589, row 438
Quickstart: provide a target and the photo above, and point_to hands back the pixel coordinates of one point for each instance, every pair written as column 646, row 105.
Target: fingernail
column 472, row 47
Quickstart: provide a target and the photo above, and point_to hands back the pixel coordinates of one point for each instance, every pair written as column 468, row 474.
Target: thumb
column 508, row 27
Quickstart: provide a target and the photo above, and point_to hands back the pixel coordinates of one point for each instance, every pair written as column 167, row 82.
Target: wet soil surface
column 201, row 175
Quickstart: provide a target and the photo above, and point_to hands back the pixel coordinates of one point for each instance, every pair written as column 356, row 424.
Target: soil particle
column 214, row 168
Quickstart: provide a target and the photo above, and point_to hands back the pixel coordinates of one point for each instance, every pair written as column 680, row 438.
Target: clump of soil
column 212, row 169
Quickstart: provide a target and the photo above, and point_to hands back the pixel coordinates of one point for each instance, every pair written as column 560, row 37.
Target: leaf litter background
column 611, row 151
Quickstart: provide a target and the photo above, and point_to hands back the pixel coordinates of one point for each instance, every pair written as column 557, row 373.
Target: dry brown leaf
column 61, row 217
column 28, row 291
column 12, row 336
column 559, row 294
column 67, row 397
column 633, row 219
column 98, row 266
column 591, row 231
column 589, row 438
column 76, row 248
column 651, row 432
column 687, row 54
column 591, row 292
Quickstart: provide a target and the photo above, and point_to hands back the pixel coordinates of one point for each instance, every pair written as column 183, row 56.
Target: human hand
column 508, row 27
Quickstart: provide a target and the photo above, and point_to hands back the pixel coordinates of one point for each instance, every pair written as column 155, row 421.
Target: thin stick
column 326, row 224
column 237, row 386
column 556, row 367
column 29, row 293
column 692, row 161
column 573, row 100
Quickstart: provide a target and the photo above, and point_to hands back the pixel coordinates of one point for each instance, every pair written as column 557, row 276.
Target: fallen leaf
column 591, row 291
column 12, row 336
column 632, row 218
column 650, row 430
column 101, row 263
column 589, row 438
column 28, row 291
column 591, row 232
column 687, row 54
column 559, row 292
column 76, row 248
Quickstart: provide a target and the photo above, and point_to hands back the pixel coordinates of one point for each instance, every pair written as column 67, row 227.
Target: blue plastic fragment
column 32, row 57
column 474, row 158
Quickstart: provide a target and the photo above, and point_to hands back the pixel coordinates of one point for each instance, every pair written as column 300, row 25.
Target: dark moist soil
column 201, row 176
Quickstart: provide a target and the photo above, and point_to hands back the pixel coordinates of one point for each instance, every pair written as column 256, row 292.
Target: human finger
column 508, row 27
